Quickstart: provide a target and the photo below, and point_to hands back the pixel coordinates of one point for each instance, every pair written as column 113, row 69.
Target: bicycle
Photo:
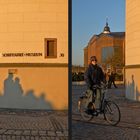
column 108, row 108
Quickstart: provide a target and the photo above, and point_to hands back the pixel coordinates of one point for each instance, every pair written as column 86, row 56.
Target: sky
column 89, row 18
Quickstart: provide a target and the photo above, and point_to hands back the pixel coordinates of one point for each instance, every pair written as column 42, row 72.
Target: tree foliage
column 116, row 60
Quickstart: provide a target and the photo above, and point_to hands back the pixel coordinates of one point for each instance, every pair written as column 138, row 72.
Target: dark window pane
column 107, row 52
column 50, row 48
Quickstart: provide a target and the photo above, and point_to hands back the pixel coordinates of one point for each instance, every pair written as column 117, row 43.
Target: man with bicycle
column 93, row 76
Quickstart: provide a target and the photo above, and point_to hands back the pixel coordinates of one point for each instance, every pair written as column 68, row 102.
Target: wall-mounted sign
column 12, row 71
column 21, row 54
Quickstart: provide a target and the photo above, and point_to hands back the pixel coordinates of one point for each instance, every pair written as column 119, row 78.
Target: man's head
column 93, row 60
column 10, row 76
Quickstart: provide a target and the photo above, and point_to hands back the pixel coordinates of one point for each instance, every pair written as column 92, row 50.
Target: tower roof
column 106, row 28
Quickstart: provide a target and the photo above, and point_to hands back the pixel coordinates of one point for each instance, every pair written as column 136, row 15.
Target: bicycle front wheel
column 112, row 113
column 84, row 111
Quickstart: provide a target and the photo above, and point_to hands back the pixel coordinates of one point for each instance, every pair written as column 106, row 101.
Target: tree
column 116, row 60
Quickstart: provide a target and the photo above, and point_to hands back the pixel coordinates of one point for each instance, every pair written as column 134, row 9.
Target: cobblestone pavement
column 98, row 128
column 33, row 125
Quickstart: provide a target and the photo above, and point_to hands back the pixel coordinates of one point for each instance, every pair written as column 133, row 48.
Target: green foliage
column 78, row 76
column 119, row 77
column 115, row 60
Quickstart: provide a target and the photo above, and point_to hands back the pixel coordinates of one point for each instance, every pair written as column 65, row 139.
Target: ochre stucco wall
column 52, row 83
column 133, row 84
column 132, row 50
column 23, row 26
column 25, row 23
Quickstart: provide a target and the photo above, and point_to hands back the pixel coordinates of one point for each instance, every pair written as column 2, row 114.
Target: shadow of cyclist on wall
column 15, row 97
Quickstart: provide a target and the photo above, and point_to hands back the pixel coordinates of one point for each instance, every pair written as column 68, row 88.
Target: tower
column 106, row 28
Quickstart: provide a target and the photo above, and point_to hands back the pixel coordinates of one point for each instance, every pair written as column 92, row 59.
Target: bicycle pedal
column 95, row 113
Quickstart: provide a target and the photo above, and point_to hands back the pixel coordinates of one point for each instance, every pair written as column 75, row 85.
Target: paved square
column 98, row 128
column 33, row 125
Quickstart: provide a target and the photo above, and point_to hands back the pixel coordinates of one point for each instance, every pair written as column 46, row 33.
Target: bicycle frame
column 105, row 107
column 103, row 100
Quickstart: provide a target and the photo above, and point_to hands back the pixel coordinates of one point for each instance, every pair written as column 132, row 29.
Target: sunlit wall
column 25, row 23
column 37, row 82
column 132, row 50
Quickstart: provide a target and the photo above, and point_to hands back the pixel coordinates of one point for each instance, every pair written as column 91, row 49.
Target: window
column 50, row 48
column 107, row 52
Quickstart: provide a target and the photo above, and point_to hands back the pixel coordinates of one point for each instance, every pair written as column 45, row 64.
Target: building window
column 107, row 52
column 50, row 48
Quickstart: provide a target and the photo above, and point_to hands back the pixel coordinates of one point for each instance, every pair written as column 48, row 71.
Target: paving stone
column 8, row 137
column 9, row 132
column 31, row 126
column 13, row 137
column 18, row 137
column 2, row 131
column 42, row 133
column 49, row 138
column 43, row 138
column 53, row 138
column 23, row 138
column 32, row 138
column 18, row 132
column 37, row 137
column 51, row 133
column 59, row 133
column 26, row 132
column 27, row 138
column 66, row 133
column 57, row 138
column 3, row 137
column 34, row 132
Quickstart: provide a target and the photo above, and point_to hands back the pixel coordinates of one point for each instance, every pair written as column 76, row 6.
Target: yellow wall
column 25, row 23
column 50, row 82
column 132, row 50
column 132, row 32
column 23, row 26
column 133, row 84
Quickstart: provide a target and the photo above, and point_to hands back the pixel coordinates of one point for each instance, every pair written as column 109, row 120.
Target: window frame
column 55, row 47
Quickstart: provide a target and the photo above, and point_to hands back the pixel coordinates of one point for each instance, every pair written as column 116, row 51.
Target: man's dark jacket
column 93, row 75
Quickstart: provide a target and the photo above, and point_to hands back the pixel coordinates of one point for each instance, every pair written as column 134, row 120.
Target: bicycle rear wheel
column 112, row 113
column 84, row 111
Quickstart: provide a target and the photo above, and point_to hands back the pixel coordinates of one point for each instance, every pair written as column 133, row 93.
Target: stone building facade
column 132, row 51
column 104, row 45
column 34, row 54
